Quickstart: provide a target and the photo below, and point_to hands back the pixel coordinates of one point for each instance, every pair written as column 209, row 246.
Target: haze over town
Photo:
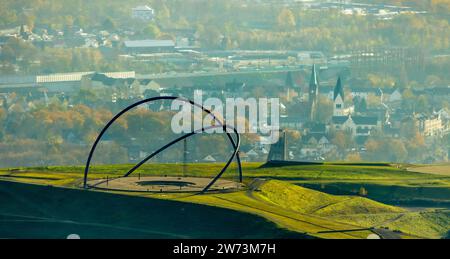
column 356, row 80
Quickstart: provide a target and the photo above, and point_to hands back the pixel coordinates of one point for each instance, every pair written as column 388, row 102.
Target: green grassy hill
column 439, row 169
column 315, row 200
column 304, row 200
column 33, row 211
column 356, row 210
column 429, row 224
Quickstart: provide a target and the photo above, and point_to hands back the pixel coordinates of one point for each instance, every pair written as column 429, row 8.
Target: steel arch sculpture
column 235, row 144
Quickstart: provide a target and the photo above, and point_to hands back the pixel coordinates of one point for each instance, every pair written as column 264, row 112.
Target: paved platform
column 163, row 184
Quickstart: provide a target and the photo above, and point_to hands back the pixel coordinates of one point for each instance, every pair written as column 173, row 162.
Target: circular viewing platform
column 162, row 184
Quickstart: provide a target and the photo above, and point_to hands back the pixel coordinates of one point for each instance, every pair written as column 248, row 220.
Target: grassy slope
column 430, row 224
column 307, row 173
column 356, row 210
column 309, row 224
column 33, row 211
column 443, row 169
column 336, row 213
column 313, row 202
column 388, row 184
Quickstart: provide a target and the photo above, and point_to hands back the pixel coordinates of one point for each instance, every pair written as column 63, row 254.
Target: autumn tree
column 286, row 20
column 353, row 157
column 397, row 151
column 343, row 140
column 151, row 31
column 324, row 110
column 109, row 24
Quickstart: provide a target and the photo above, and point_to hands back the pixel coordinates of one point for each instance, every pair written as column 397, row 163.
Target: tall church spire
column 338, row 99
column 313, row 82
column 313, row 93
column 338, row 90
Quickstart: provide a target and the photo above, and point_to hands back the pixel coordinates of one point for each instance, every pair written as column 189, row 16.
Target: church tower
column 313, row 93
column 338, row 99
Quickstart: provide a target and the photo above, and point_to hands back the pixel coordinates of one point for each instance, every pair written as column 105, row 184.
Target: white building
column 395, row 96
column 143, row 12
column 356, row 125
column 430, row 126
column 339, row 108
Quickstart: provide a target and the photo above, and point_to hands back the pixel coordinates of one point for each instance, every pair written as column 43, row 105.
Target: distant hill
column 308, row 201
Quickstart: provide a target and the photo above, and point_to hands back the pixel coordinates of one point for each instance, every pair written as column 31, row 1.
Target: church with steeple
column 344, row 119
column 318, row 129
column 338, row 99
column 339, row 106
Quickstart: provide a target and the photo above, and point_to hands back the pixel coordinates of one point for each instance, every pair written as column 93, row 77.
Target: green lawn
column 34, row 211
column 308, row 201
column 356, row 210
column 440, row 169
column 306, row 173
column 291, row 207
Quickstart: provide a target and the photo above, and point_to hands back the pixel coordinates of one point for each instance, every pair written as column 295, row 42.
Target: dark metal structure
column 279, row 150
column 235, row 143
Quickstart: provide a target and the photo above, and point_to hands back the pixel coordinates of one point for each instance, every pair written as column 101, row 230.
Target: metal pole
column 184, row 157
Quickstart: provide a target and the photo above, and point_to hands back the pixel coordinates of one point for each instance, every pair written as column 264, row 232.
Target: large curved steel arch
column 173, row 142
column 230, row 160
column 235, row 145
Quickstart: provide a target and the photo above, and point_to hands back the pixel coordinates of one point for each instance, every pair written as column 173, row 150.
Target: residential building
column 143, row 12
column 430, row 126
column 315, row 146
column 356, row 125
column 395, row 96
column 148, row 46
column 292, row 122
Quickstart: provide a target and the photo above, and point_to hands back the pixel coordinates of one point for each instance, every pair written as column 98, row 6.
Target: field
column 433, row 169
column 349, row 201
column 34, row 211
